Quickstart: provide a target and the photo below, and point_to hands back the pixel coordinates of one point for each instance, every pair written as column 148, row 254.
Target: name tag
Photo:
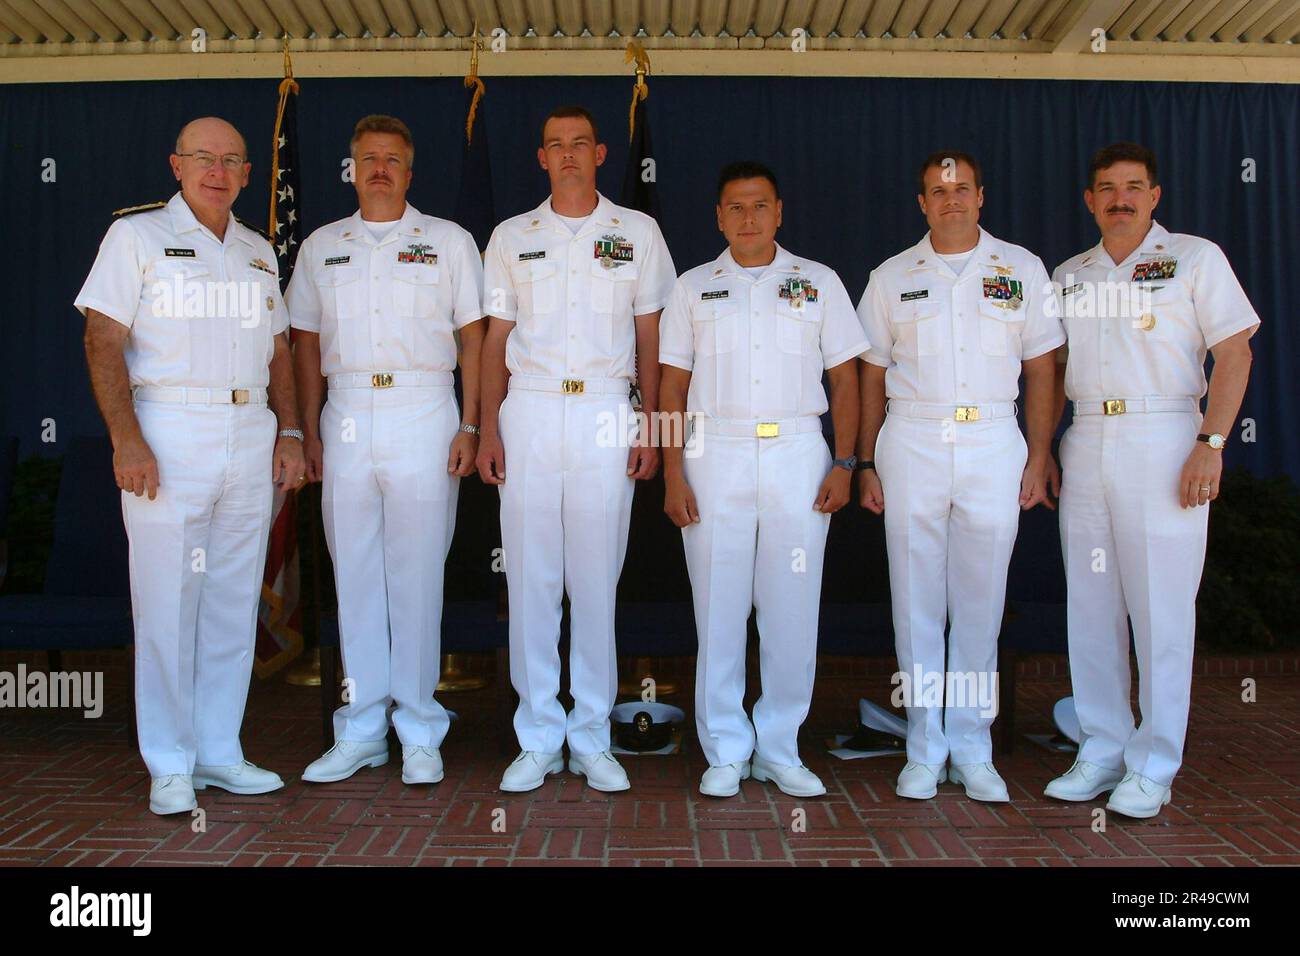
column 720, row 294
column 525, row 256
column 1072, row 289
column 180, row 253
column 912, row 296
column 337, row 260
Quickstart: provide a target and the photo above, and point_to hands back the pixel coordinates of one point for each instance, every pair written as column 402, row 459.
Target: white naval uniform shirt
column 950, row 340
column 756, row 347
column 1141, row 329
column 573, row 296
column 202, row 311
column 388, row 306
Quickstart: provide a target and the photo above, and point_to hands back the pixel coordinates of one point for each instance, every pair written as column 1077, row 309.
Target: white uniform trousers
column 759, row 544
column 565, row 508
column 197, row 553
column 389, row 509
column 952, row 511
column 1131, row 552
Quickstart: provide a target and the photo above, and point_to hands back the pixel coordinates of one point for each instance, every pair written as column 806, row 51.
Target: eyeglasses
column 231, row 161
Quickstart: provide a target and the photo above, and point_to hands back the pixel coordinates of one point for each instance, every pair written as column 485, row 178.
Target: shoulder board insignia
column 252, row 228
column 145, row 207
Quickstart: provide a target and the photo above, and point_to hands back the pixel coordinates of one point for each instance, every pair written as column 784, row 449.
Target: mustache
column 1121, row 209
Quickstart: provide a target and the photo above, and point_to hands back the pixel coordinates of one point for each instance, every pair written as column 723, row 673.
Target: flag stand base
column 455, row 677
column 305, row 673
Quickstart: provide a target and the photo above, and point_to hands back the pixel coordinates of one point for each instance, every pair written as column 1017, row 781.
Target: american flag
column 279, row 618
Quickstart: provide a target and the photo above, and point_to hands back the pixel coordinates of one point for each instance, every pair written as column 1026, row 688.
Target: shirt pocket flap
column 416, row 273
column 339, row 275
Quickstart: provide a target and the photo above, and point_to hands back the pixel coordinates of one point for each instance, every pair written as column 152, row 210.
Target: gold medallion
column 1147, row 322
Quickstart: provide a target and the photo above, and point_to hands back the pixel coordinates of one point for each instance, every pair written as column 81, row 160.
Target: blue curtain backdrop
column 845, row 150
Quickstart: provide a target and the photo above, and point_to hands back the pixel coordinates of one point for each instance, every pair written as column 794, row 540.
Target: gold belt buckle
column 1113, row 406
column 239, row 396
column 767, row 429
column 382, row 380
column 572, row 386
column 967, row 413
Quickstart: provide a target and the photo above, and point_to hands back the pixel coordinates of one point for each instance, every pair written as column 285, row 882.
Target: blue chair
column 86, row 602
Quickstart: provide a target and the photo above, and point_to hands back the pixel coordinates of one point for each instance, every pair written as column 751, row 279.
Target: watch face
column 1216, row 441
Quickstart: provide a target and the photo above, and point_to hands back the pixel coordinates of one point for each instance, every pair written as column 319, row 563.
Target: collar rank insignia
column 918, row 294
column 613, row 251
column 418, row 252
column 1005, row 293
column 798, row 290
column 261, row 265
column 1162, row 268
column 716, row 294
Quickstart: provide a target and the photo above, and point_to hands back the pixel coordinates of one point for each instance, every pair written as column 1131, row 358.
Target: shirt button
column 962, row 349
column 757, row 381
column 755, row 346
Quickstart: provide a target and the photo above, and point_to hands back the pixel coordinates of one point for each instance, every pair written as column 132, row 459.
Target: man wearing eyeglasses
column 186, row 347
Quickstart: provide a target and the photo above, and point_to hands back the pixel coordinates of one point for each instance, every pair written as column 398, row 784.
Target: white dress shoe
column 344, row 759
column 602, row 771
column 529, row 770
column 238, row 778
column 1083, row 781
column 724, row 781
column 981, row 781
column 1138, row 796
column 173, row 793
column 421, row 765
column 920, row 781
column 795, row 781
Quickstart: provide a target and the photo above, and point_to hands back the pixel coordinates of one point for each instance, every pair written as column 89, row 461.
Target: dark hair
column 746, row 169
column 379, row 123
column 939, row 159
column 571, row 112
column 1108, row 156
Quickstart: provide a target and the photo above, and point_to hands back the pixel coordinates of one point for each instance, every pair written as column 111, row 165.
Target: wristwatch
column 469, row 429
column 1215, row 441
column 291, row 433
column 866, row 464
column 848, row 464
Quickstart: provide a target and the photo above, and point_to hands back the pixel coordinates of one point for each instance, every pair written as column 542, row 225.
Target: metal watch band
column 470, row 429
column 291, row 433
column 848, row 464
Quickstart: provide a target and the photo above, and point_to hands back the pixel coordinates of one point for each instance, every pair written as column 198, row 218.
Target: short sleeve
column 116, row 280
column 873, row 313
column 280, row 312
column 1043, row 330
column 655, row 280
column 676, row 331
column 842, row 337
column 466, row 282
column 1222, row 309
column 302, row 297
column 499, row 297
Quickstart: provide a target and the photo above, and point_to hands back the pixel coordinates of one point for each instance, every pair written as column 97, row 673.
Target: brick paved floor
column 72, row 792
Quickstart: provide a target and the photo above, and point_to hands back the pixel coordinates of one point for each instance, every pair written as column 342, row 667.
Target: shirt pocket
column 998, row 327
column 613, row 288
column 178, row 289
column 341, row 292
column 797, row 328
column 917, row 328
column 537, row 286
column 717, row 328
column 1159, row 313
column 415, row 290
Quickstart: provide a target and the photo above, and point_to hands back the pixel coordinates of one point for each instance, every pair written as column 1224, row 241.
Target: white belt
column 200, row 396
column 389, row 379
column 758, row 428
column 1127, row 406
column 955, row 413
column 572, row 386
